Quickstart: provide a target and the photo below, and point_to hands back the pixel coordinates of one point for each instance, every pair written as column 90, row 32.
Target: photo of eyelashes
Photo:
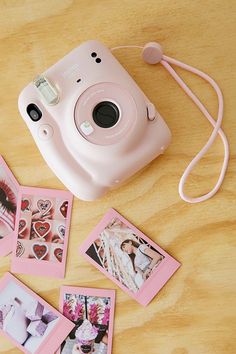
column 8, row 200
column 42, row 228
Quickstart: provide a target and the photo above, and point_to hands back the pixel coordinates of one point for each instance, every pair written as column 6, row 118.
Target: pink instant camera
column 91, row 122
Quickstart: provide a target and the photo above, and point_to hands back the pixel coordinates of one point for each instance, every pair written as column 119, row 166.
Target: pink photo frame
column 9, row 188
column 57, row 328
column 105, row 241
column 100, row 294
column 42, row 231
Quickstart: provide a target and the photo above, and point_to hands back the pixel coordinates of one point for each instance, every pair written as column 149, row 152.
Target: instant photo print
column 128, row 257
column 92, row 312
column 28, row 321
column 9, row 190
column 42, row 230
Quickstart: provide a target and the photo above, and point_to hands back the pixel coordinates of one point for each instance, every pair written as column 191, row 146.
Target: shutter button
column 151, row 111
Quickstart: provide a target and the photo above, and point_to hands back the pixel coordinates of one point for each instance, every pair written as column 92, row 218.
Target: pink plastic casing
column 86, row 168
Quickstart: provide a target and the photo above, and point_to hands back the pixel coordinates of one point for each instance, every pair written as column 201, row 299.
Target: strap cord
column 166, row 63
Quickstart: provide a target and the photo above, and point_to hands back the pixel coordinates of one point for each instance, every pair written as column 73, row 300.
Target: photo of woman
column 125, row 255
column 91, row 316
column 144, row 258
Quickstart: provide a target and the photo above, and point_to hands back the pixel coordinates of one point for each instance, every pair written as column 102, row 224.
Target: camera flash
column 47, row 91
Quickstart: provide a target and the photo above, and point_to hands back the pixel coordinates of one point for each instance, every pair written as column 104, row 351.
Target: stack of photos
column 92, row 315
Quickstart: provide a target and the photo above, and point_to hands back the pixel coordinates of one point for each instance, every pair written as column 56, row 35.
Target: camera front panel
column 105, row 114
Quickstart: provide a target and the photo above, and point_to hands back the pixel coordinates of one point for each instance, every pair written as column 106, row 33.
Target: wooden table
column 195, row 311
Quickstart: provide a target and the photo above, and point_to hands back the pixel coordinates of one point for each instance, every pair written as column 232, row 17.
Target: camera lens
column 34, row 112
column 106, row 114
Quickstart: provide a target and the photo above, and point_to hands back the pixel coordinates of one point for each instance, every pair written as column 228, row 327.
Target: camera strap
column 152, row 54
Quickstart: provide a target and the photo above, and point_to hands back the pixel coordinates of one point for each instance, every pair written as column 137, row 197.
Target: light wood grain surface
column 195, row 312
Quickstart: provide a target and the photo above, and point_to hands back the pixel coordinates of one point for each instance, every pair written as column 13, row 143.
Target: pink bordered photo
column 128, row 257
column 42, row 230
column 28, row 321
column 9, row 190
column 92, row 312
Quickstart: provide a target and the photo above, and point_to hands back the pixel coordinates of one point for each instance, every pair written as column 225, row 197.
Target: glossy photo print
column 42, row 225
column 32, row 324
column 128, row 257
column 92, row 312
column 125, row 255
column 9, row 190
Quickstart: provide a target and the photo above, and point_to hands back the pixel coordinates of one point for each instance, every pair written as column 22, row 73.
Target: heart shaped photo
column 58, row 253
column 22, row 226
column 25, row 205
column 61, row 231
column 42, row 228
column 64, row 208
column 40, row 250
column 19, row 249
column 44, row 206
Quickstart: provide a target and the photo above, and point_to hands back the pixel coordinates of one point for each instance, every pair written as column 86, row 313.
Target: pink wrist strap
column 152, row 54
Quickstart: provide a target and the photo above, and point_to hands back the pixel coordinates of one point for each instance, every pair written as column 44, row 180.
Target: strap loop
column 151, row 52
